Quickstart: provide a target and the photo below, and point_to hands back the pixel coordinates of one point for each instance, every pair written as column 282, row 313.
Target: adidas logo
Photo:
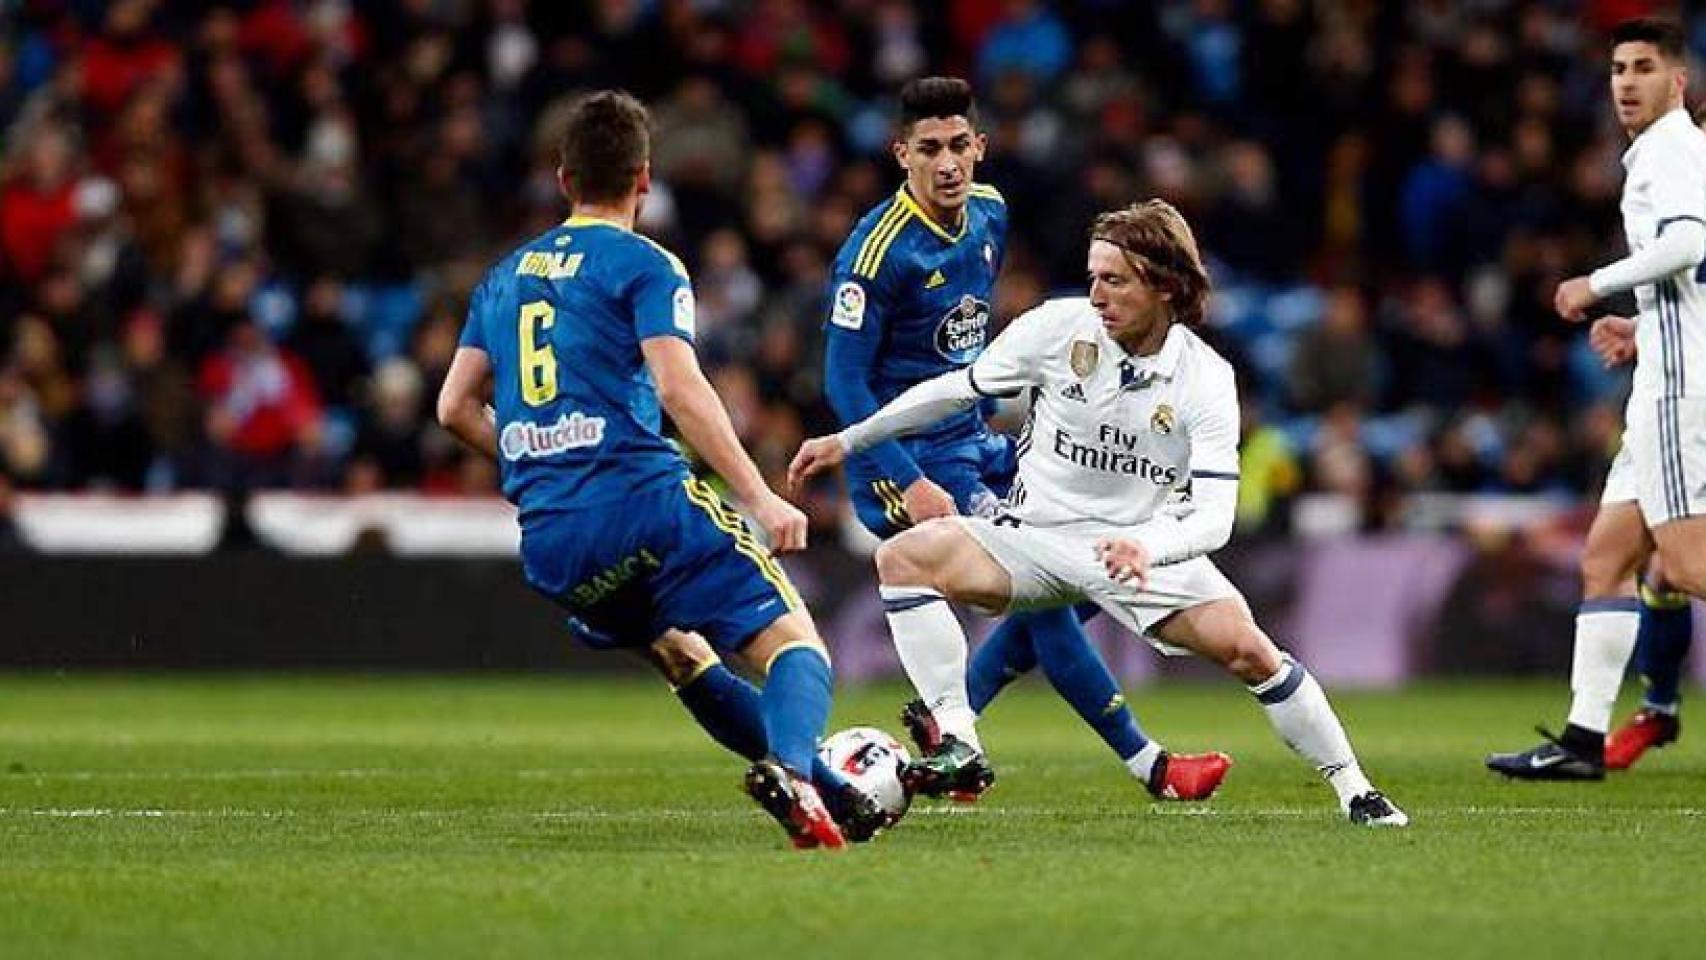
column 1074, row 392
column 936, row 280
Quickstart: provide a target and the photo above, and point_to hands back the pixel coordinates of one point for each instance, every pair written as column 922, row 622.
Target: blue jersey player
column 579, row 337
column 910, row 299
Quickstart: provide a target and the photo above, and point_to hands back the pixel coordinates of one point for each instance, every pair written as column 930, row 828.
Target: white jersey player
column 1128, row 475
column 1655, row 495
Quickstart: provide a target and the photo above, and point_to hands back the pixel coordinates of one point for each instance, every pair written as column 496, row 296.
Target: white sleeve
column 1677, row 188
column 1203, row 523
column 1680, row 245
column 1013, row 361
column 917, row 407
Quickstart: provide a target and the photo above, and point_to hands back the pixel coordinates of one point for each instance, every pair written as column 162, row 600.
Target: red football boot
column 1188, row 776
column 795, row 805
column 1648, row 728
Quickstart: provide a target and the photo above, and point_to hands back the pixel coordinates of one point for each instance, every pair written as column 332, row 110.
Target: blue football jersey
column 561, row 318
column 910, row 300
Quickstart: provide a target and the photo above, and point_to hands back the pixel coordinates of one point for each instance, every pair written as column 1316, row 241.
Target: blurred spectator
column 24, row 447
column 387, row 452
column 262, row 412
column 1437, row 196
column 326, row 345
column 37, row 205
column 1335, row 362
column 1028, row 39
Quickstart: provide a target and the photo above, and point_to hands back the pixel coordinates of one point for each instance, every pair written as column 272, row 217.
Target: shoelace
column 1558, row 742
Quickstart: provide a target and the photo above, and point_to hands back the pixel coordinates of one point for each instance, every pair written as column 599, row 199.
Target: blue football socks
column 1003, row 657
column 729, row 709
column 1055, row 640
column 795, row 703
column 1667, row 629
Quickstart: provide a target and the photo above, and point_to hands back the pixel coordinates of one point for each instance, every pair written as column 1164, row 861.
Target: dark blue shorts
column 975, row 472
column 673, row 555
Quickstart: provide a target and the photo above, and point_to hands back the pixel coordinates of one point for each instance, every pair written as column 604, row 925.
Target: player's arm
column 1678, row 194
column 852, row 341
column 699, row 414
column 462, row 400
column 1004, row 370
column 1204, row 523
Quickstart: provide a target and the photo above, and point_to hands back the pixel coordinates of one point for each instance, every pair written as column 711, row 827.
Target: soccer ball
column 871, row 760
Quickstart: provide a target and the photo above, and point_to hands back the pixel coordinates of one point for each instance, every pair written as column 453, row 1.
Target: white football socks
column 932, row 648
column 1605, row 639
column 1142, row 763
column 1303, row 718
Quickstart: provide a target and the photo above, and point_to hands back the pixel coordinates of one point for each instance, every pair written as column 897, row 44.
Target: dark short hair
column 1159, row 245
column 1665, row 34
column 606, row 143
column 935, row 97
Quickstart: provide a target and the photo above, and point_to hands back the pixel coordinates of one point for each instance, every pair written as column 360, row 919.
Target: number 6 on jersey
column 538, row 360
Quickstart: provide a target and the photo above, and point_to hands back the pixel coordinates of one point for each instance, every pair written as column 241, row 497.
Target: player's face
column 939, row 155
column 1134, row 314
column 1645, row 84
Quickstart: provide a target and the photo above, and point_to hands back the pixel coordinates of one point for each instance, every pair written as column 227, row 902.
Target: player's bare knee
column 903, row 561
column 1253, row 658
column 1606, row 573
column 681, row 656
column 792, row 631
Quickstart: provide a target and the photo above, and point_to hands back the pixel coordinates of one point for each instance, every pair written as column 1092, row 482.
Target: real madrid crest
column 1161, row 421
column 1083, row 358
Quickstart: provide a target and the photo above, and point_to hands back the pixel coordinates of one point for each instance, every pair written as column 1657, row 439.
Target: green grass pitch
column 517, row 817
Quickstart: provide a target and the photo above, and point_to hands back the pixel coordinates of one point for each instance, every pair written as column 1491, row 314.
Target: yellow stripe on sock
column 795, row 645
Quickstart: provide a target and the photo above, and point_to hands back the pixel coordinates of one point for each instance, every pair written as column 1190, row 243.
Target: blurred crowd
column 237, row 239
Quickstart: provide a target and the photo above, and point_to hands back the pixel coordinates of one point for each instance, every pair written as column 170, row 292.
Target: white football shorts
column 1057, row 566
column 1661, row 465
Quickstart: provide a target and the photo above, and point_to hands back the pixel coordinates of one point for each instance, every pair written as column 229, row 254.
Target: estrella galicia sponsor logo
column 1108, row 456
column 960, row 335
column 522, row 439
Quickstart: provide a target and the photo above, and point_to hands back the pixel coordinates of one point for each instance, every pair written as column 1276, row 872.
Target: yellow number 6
column 538, row 360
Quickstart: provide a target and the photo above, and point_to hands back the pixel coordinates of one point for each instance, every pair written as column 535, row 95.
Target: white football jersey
column 1111, row 437
column 1666, row 182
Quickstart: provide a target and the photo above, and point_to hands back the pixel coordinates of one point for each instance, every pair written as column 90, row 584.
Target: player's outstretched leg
column 915, row 568
column 1056, row 639
column 1606, row 624
column 1661, row 645
column 1003, row 657
column 1223, row 631
column 795, row 705
column 1605, row 637
column 730, row 709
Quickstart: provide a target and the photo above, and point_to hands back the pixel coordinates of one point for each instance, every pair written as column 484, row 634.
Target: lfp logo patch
column 849, row 307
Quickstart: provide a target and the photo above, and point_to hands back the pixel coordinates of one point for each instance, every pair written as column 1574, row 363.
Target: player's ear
column 643, row 181
column 898, row 148
column 982, row 143
column 565, row 181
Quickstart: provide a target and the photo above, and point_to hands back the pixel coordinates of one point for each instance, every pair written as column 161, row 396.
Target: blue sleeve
column 661, row 298
column 853, row 338
column 473, row 327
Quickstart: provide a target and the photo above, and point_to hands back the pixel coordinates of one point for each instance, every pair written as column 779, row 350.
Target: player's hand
column 1126, row 561
column 783, row 523
column 1573, row 299
column 1613, row 340
column 816, row 455
column 924, row 500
